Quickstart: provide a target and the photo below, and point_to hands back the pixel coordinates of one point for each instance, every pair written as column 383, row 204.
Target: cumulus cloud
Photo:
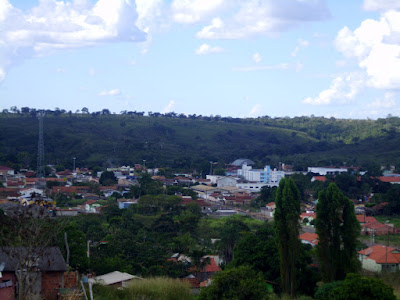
column 113, row 92
column 343, row 89
column 192, row 11
column 255, row 110
column 381, row 5
column 375, row 45
column 264, row 17
column 257, row 57
column 55, row 25
column 207, row 49
column 170, row 106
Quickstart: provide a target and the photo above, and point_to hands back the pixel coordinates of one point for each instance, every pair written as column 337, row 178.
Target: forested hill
column 192, row 141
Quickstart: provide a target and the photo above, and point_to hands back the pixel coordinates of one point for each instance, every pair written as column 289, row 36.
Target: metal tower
column 40, row 159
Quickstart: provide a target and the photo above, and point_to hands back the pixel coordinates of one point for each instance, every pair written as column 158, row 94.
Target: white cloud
column 282, row 66
column 264, row 17
column 60, row 70
column 388, row 101
column 375, row 45
column 150, row 15
column 192, row 11
column 300, row 44
column 55, row 25
column 113, row 92
column 170, row 106
column 343, row 89
column 255, row 111
column 207, row 49
column 257, row 57
column 381, row 5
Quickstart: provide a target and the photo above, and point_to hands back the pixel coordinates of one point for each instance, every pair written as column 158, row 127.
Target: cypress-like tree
column 337, row 228
column 287, row 225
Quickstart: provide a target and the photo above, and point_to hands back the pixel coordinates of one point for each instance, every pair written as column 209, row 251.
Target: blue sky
column 239, row 58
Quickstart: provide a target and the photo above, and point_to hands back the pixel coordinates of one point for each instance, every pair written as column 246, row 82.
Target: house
column 5, row 171
column 46, row 271
column 318, row 178
column 125, row 203
column 71, row 212
column 116, row 278
column 390, row 179
column 307, row 217
column 309, row 238
column 226, row 181
column 326, row 170
column 378, row 229
column 91, row 206
column 380, row 258
column 271, row 208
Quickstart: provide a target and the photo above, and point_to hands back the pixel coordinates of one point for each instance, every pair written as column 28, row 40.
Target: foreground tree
column 337, row 228
column 242, row 283
column 355, row 287
column 286, row 219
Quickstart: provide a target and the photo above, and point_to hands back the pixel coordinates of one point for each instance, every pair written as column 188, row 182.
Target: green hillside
column 192, row 142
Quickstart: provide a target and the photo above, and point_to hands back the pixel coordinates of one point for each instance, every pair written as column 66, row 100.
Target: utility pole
column 73, row 170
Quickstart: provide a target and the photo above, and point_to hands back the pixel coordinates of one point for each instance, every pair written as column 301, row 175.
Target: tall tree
column 286, row 219
column 337, row 228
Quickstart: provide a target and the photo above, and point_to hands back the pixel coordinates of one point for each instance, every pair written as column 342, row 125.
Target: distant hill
column 192, row 142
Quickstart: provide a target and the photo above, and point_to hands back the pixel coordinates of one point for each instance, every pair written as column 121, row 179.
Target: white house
column 326, row 170
column 380, row 258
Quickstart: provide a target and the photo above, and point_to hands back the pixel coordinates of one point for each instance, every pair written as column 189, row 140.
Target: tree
column 337, row 228
column 286, row 219
column 107, row 178
column 242, row 283
column 355, row 287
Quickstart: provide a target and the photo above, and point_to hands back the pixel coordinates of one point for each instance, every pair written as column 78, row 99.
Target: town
column 210, row 222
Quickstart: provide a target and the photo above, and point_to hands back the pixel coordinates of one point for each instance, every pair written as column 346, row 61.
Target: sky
column 238, row 58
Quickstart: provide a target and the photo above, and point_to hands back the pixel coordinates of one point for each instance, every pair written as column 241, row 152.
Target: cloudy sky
column 240, row 58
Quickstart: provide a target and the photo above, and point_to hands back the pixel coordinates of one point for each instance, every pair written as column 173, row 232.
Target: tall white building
column 266, row 175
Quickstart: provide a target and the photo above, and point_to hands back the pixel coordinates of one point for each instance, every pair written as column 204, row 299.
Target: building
column 380, row 258
column 116, row 278
column 266, row 175
column 226, row 181
column 46, row 278
column 309, row 238
column 323, row 171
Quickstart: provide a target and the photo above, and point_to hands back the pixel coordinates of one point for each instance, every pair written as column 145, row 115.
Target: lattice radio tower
column 40, row 159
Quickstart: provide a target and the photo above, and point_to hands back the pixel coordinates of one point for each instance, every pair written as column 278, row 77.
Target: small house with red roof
column 390, row 179
column 380, row 258
column 309, row 238
column 318, row 178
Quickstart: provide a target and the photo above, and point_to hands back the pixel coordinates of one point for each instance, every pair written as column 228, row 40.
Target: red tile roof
column 365, row 219
column 320, row 178
column 390, row 179
column 307, row 215
column 271, row 204
column 90, row 202
column 382, row 254
column 212, row 267
column 309, row 237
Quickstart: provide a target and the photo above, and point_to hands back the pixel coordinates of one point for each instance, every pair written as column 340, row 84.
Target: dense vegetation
column 191, row 142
